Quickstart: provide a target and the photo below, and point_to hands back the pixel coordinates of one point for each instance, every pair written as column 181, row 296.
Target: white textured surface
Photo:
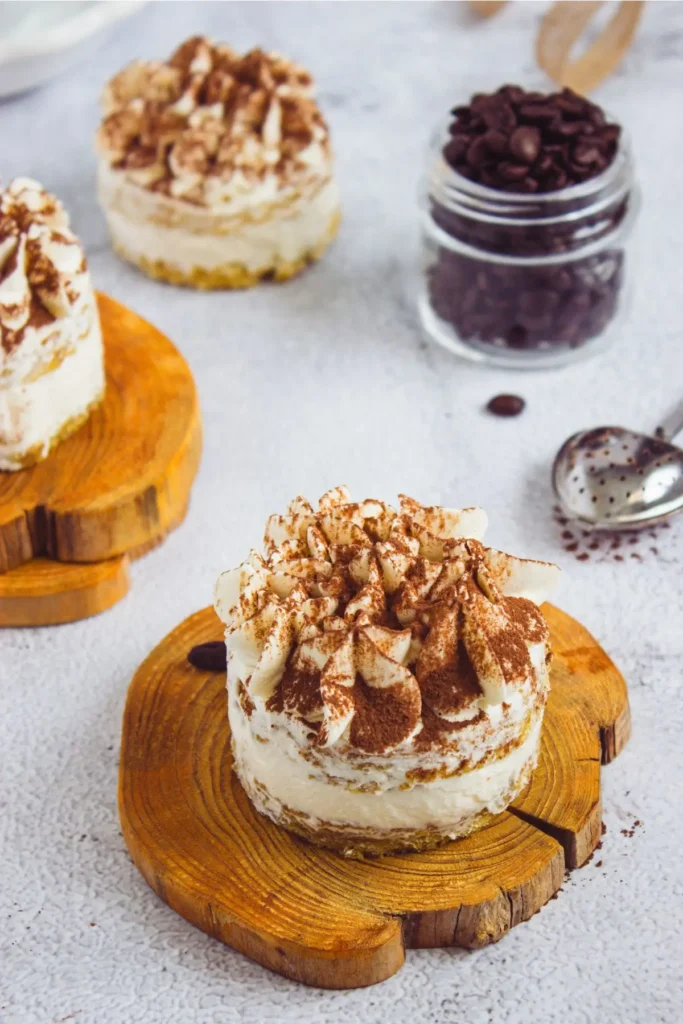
column 303, row 386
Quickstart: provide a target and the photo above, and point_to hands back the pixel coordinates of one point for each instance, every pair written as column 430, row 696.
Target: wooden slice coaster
column 43, row 592
column 115, row 488
column 312, row 915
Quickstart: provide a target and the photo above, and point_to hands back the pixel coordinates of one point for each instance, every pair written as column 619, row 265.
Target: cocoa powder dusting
column 527, row 616
column 453, row 687
column 298, row 692
column 381, row 715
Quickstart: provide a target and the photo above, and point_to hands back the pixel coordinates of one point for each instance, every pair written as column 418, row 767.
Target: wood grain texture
column 47, row 593
column 44, row 592
column 562, row 28
column 310, row 914
column 122, row 479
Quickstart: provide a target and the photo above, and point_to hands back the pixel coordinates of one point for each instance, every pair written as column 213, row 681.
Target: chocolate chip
column 506, row 405
column 210, row 657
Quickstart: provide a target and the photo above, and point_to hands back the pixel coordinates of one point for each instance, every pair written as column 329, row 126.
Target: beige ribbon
column 486, row 8
column 562, row 27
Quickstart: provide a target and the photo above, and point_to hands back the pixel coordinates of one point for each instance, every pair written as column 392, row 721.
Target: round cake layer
column 283, row 784
column 170, row 240
column 53, row 401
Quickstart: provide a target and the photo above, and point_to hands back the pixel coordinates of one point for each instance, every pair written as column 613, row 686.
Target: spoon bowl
column 611, row 478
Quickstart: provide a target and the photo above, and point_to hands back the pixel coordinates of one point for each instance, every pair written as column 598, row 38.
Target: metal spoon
column 613, row 479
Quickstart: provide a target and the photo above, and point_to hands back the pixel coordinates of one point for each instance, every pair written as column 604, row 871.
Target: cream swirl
column 362, row 619
column 212, row 127
column 43, row 272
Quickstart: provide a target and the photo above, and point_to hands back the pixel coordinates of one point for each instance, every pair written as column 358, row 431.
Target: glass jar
column 523, row 280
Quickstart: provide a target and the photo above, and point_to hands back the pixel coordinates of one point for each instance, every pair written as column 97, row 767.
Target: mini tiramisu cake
column 215, row 170
column 51, row 361
column 387, row 673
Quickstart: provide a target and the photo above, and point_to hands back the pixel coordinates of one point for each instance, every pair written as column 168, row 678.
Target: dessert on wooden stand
column 387, row 673
column 388, row 688
column 51, row 358
column 215, row 169
column 93, row 475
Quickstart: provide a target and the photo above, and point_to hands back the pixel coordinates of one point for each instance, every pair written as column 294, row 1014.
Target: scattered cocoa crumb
column 603, row 545
column 603, row 829
column 598, row 863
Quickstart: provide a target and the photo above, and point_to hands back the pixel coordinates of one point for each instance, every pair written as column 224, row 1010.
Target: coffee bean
column 513, row 172
column 570, row 129
column 506, row 405
column 455, row 150
column 540, row 112
column 513, row 93
column 515, row 127
column 527, row 185
column 525, row 144
column 501, row 117
column 210, row 657
column 477, row 153
column 586, row 153
column 570, row 105
column 496, row 141
column 542, row 166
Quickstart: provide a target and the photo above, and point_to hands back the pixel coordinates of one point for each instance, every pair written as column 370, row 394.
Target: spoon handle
column 671, row 424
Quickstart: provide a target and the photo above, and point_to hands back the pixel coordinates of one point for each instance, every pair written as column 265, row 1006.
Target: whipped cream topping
column 209, row 126
column 377, row 631
column 43, row 270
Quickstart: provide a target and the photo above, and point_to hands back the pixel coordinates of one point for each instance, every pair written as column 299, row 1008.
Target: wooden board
column 124, row 478
column 70, row 525
column 44, row 592
column 47, row 593
column 312, row 915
